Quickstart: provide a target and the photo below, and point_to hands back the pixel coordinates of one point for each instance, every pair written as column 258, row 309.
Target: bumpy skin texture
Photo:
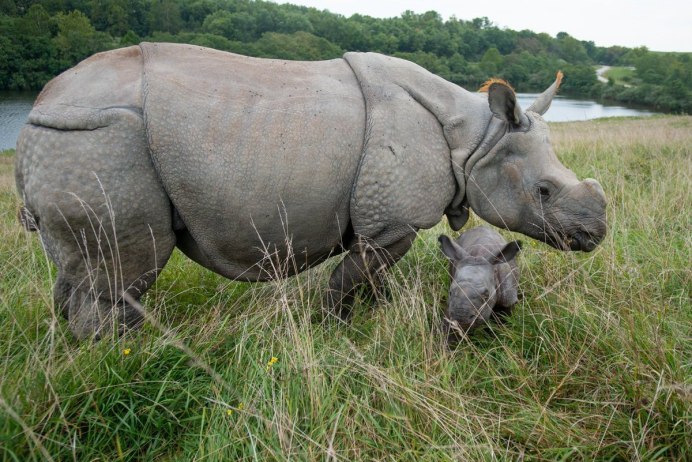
column 85, row 176
column 246, row 163
column 253, row 152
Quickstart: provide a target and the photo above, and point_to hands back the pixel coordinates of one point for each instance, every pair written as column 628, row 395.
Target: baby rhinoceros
column 484, row 277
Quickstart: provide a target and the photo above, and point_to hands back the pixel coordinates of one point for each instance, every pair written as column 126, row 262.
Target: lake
column 565, row 109
column 14, row 108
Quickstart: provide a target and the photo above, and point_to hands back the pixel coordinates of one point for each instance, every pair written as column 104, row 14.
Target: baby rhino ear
column 503, row 102
column 507, row 253
column 450, row 248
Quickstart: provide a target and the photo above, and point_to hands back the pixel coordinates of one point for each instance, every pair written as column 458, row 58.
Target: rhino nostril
column 595, row 188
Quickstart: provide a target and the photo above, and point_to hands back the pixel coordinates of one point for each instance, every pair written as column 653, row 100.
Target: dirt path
column 599, row 73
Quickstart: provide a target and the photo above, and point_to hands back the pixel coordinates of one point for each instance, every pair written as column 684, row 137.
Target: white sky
column 660, row 25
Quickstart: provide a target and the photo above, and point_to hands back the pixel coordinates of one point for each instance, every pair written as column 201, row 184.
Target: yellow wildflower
column 239, row 407
column 127, row 351
column 271, row 362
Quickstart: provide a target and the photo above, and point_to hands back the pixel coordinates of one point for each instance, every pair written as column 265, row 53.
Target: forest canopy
column 41, row 38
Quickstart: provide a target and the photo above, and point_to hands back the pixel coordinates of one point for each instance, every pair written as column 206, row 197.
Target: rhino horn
column 542, row 103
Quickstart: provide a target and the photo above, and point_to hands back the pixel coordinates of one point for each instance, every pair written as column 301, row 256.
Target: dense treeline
column 39, row 39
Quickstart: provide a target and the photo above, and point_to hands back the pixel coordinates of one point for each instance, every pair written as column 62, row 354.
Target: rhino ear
column 503, row 103
column 507, row 253
column 451, row 249
column 542, row 103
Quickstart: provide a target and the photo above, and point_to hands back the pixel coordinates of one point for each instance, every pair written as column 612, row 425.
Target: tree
column 429, row 61
column 571, row 49
column 35, row 22
column 504, row 40
column 652, row 67
column 238, row 26
column 8, row 7
column 9, row 61
column 491, row 62
column 384, row 43
column 193, row 13
column 130, row 38
column 110, row 15
column 299, row 45
column 76, row 38
column 164, row 16
column 43, row 37
column 579, row 79
column 290, row 22
column 213, row 41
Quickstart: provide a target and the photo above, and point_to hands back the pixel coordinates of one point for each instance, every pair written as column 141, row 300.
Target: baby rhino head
column 473, row 291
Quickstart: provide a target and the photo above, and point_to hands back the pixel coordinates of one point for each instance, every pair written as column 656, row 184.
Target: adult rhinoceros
column 241, row 162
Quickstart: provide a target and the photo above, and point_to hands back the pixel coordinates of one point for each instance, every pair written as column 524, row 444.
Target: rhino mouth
column 584, row 241
column 453, row 330
column 581, row 240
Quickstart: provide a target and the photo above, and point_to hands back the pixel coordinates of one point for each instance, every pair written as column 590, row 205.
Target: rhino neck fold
column 467, row 127
column 407, row 110
column 494, row 132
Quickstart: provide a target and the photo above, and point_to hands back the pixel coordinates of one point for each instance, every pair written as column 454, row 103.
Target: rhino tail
column 27, row 219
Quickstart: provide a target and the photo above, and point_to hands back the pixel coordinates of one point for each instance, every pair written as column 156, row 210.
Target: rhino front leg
column 365, row 263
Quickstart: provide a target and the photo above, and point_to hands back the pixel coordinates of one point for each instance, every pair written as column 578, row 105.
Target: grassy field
column 620, row 75
column 594, row 363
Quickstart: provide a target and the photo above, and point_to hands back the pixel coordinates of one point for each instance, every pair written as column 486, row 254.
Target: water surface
column 567, row 110
column 14, row 109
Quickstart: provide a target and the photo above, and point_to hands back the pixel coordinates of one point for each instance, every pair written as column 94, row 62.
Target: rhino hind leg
column 364, row 265
column 103, row 218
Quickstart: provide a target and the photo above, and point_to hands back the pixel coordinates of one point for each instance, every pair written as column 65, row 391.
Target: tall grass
column 594, row 362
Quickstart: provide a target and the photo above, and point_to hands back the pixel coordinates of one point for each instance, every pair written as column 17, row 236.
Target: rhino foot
column 93, row 317
column 337, row 305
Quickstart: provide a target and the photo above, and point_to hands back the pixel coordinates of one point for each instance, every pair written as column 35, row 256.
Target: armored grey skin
column 484, row 277
column 246, row 164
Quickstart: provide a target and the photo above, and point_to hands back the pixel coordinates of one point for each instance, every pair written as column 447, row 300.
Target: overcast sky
column 660, row 25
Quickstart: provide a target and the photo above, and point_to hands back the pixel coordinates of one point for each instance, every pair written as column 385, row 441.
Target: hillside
column 41, row 38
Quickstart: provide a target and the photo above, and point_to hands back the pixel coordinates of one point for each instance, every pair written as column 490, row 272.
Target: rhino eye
column 543, row 192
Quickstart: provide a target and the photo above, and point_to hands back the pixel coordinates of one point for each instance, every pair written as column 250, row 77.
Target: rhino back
column 88, row 95
column 252, row 151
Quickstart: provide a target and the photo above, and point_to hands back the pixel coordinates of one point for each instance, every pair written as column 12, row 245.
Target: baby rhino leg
column 103, row 218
